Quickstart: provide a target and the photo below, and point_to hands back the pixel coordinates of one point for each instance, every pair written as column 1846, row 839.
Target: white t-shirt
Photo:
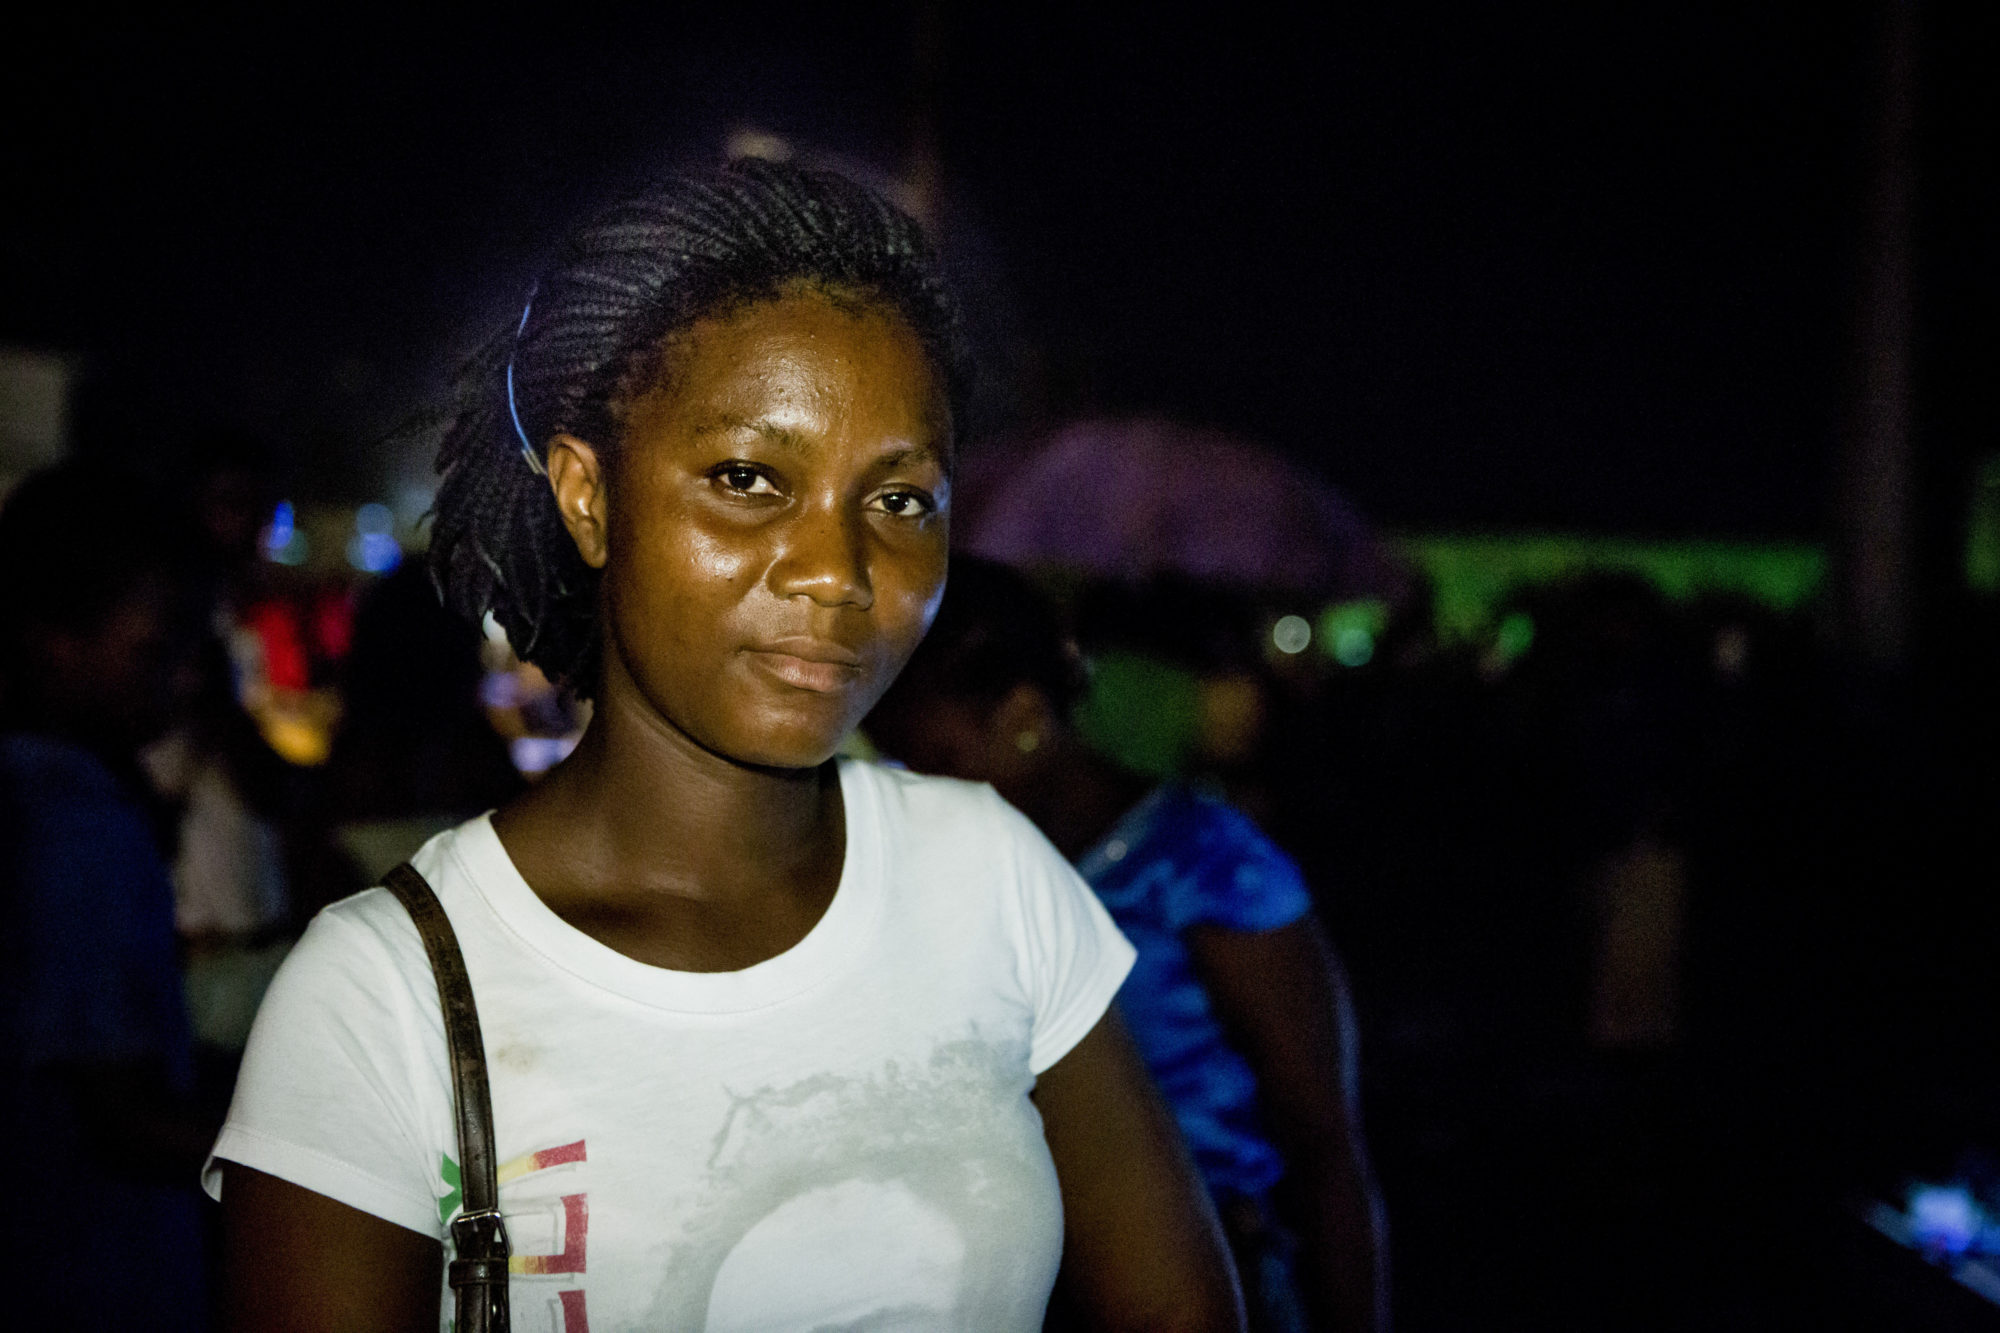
column 839, row 1137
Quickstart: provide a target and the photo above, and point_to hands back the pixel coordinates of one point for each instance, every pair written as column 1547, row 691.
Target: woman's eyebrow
column 909, row 453
column 786, row 438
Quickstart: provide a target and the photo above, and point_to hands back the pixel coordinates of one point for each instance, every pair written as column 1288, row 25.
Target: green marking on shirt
column 449, row 1203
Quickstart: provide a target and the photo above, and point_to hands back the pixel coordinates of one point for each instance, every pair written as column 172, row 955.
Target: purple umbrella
column 1126, row 499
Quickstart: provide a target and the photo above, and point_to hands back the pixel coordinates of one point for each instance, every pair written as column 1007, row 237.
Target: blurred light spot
column 535, row 755
column 1142, row 712
column 282, row 521
column 1349, row 630
column 1514, row 638
column 1353, row 646
column 413, row 502
column 1732, row 651
column 1982, row 529
column 1232, row 718
column 748, row 141
column 501, row 689
column 374, row 552
column 283, row 542
column 373, row 548
column 1291, row 634
column 490, row 626
column 1115, row 850
column 1944, row 1217
column 1474, row 576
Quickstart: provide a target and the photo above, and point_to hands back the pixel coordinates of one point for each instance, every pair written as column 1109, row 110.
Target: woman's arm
column 1141, row 1248
column 297, row 1262
column 1282, row 998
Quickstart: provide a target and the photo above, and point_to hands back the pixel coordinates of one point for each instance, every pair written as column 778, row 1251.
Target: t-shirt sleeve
column 1074, row 958
column 1240, row 879
column 344, row 1081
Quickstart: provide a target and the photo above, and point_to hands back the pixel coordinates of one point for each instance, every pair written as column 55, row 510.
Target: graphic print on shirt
column 550, row 1237
column 889, row 1200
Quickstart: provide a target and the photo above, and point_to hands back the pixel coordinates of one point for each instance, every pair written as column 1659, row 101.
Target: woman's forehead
column 795, row 366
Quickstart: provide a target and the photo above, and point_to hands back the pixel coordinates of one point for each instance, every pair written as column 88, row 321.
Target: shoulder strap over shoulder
column 479, row 1272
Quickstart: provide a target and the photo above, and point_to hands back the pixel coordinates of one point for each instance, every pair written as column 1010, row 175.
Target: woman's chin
column 793, row 737
column 787, row 748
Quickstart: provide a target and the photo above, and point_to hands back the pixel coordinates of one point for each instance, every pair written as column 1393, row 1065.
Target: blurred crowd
column 1655, row 917
column 161, row 844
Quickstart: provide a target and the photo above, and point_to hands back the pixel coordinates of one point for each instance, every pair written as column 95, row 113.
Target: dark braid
column 596, row 326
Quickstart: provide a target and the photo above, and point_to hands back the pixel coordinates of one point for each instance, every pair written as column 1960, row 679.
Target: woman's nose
column 825, row 557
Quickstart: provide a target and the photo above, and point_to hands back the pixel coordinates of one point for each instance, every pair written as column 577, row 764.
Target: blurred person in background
column 227, row 800
column 102, row 1221
column 414, row 753
column 1236, row 1001
column 241, row 841
column 1607, row 696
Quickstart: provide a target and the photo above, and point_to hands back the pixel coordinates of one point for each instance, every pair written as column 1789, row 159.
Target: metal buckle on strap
column 480, row 1235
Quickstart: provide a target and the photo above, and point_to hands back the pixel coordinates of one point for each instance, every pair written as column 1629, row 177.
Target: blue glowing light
column 283, row 541
column 1944, row 1218
column 535, row 755
column 373, row 520
column 373, row 548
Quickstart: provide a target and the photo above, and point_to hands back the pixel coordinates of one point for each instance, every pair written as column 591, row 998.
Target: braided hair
column 592, row 339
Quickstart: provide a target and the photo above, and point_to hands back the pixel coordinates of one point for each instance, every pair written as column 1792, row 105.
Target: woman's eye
column 905, row 504
column 744, row 480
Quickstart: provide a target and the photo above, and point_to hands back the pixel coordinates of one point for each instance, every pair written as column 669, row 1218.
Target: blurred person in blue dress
column 95, row 629
column 1237, row 1002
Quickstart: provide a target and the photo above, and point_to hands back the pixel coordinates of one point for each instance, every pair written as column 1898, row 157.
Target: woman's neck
column 641, row 808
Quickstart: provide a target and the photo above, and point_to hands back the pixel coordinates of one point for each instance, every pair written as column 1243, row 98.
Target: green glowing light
column 1348, row 630
column 1982, row 529
column 1514, row 638
column 1473, row 576
column 1142, row 712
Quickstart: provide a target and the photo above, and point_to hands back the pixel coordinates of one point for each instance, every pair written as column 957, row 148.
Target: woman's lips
column 820, row 668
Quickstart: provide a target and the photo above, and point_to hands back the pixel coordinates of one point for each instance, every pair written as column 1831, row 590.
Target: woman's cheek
column 724, row 557
column 914, row 607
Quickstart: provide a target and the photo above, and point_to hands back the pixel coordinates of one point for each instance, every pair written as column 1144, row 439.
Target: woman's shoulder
column 937, row 829
column 932, row 807
column 365, row 942
column 371, row 932
column 965, row 823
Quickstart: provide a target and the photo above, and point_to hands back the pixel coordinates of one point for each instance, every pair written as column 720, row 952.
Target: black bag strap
column 479, row 1272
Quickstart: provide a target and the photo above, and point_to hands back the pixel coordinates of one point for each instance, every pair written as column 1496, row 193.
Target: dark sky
column 1584, row 267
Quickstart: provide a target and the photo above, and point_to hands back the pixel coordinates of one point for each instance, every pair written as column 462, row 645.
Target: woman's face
column 773, row 530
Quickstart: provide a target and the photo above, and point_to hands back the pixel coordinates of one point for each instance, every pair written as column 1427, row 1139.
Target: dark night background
column 1583, row 267
column 1592, row 269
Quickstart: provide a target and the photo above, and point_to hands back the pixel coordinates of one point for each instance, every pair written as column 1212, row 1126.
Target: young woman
column 776, row 1042
column 1235, row 1000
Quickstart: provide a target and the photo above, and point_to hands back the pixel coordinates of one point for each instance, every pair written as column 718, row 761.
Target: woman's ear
column 576, row 475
